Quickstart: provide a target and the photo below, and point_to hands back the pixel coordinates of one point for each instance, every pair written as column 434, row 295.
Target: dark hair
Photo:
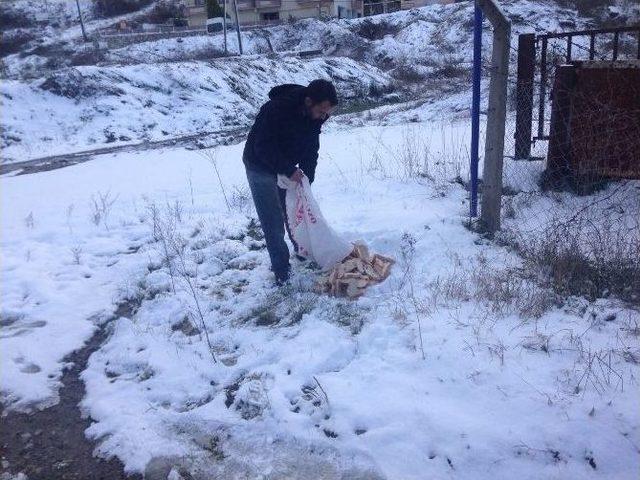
column 321, row 90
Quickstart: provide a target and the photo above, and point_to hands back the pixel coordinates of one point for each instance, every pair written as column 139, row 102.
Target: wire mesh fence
column 572, row 206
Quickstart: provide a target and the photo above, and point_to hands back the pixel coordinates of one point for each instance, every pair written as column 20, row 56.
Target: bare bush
column 502, row 291
column 406, row 300
column 12, row 16
column 375, row 30
column 76, row 252
column 111, row 8
column 596, row 368
column 14, row 40
column 86, row 56
column 176, row 210
column 211, row 155
column 452, row 68
column 163, row 11
column 206, row 52
column 510, row 290
column 101, row 205
column 409, row 160
column 240, row 199
column 29, row 221
column 408, row 74
column 70, row 208
column 162, row 232
column 181, row 261
column 415, row 157
column 584, row 258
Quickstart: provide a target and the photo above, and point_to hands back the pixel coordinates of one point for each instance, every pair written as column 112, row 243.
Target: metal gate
column 536, row 67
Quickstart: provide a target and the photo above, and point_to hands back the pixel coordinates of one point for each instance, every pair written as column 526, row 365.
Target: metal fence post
column 557, row 172
column 235, row 8
column 524, row 94
column 475, row 110
column 496, row 116
column 224, row 25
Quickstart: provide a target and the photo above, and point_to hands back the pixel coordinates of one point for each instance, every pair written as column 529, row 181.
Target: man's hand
column 297, row 176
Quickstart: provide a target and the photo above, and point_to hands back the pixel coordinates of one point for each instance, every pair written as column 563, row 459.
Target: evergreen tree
column 213, row 9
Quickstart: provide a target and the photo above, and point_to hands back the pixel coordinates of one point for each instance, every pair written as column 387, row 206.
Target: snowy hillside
column 29, row 24
column 423, row 53
column 92, row 106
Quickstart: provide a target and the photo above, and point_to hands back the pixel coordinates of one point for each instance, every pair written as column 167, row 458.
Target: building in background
column 266, row 12
column 196, row 12
column 377, row 7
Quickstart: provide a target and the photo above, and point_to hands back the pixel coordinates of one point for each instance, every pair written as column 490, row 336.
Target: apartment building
column 260, row 12
column 265, row 12
column 196, row 12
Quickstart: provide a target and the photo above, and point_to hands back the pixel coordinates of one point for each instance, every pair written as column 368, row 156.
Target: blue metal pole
column 475, row 108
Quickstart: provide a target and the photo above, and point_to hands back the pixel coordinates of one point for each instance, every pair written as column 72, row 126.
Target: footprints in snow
column 15, row 325
column 27, row 367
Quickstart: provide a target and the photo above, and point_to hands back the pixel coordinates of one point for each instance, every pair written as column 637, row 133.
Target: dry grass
column 414, row 159
column 182, row 262
column 582, row 258
column 501, row 291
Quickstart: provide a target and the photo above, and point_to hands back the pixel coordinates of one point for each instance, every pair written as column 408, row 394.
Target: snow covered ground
column 461, row 365
column 427, row 376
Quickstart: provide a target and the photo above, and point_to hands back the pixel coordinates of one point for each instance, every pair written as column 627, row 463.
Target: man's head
column 320, row 99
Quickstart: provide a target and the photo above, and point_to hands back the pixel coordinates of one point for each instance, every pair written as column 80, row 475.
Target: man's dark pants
column 270, row 206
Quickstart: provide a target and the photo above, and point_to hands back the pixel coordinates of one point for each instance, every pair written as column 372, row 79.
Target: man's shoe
column 282, row 280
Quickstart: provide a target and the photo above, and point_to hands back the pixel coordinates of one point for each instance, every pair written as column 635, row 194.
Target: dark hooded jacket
column 283, row 136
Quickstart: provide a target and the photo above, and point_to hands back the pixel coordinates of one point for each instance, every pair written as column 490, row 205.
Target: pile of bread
column 355, row 273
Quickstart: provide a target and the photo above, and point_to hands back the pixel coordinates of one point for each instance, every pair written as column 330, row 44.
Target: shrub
column 164, row 11
column 87, row 57
column 581, row 258
column 408, row 74
column 10, row 17
column 72, row 84
column 12, row 42
column 452, row 67
column 375, row 30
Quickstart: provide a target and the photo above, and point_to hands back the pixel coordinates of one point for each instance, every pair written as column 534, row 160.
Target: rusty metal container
column 595, row 121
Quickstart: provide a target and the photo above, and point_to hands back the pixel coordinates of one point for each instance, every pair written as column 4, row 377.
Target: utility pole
column 224, row 25
column 235, row 7
column 319, row 9
column 84, row 33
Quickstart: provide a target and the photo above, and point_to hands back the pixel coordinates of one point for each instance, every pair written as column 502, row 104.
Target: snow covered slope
column 89, row 106
column 166, row 88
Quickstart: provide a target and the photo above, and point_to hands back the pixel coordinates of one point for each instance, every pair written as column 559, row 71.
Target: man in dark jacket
column 285, row 140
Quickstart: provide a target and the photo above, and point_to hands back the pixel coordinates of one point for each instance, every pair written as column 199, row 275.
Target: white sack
column 316, row 240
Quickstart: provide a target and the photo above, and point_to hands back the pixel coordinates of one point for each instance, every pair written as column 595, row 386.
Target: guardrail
column 141, row 31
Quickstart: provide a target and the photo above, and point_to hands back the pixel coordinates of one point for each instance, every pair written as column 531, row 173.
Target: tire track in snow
column 50, row 444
